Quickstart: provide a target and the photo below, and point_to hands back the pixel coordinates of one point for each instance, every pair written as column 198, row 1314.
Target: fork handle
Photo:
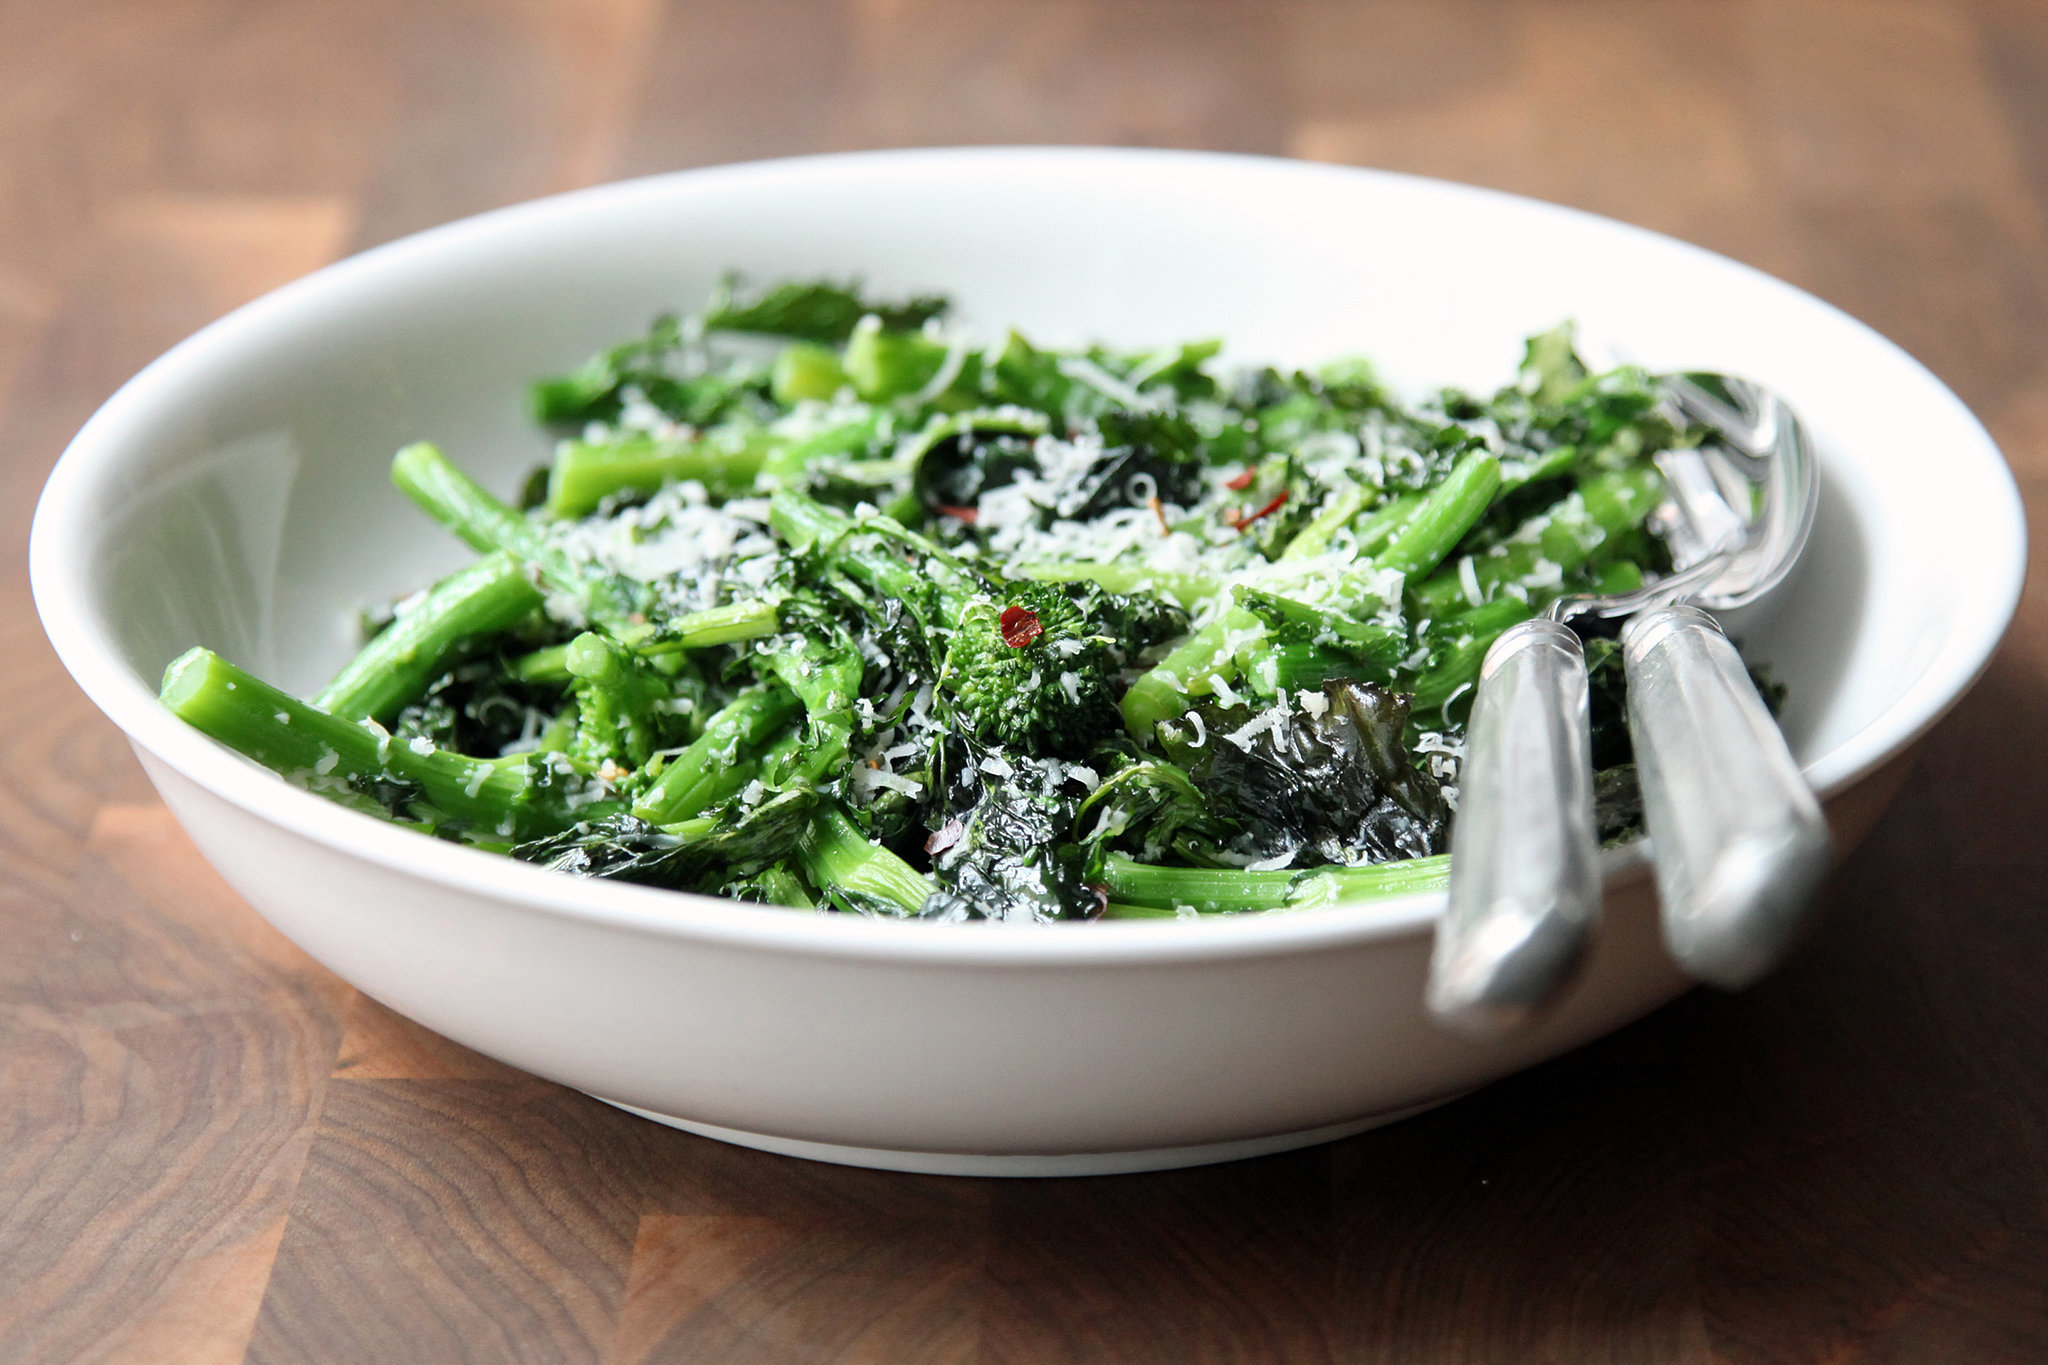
column 1737, row 838
column 1525, row 883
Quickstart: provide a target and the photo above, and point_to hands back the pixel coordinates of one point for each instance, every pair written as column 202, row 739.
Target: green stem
column 1386, row 522
column 330, row 755
column 783, row 887
column 459, row 614
column 692, row 782
column 884, row 364
column 1550, row 544
column 729, row 624
column 1461, row 644
column 585, row 473
column 836, row 854
column 1166, row 690
column 1315, row 537
column 458, row 502
column 451, row 497
column 1231, row 890
column 825, row 675
column 790, row 458
column 804, row 369
column 1447, row 512
column 616, row 696
column 934, row 584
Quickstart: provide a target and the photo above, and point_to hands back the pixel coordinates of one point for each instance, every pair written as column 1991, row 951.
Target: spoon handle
column 1525, row 884
column 1737, row 837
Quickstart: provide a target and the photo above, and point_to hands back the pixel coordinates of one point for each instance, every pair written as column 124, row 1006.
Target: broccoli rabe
column 826, row 603
column 1035, row 666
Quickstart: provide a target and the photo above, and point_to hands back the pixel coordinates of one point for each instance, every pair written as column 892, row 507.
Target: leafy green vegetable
column 814, row 311
column 878, row 617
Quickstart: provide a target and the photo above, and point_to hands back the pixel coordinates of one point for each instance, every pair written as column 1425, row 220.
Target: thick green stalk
column 782, row 887
column 789, row 458
column 458, row 502
column 585, row 473
column 1274, row 670
column 1342, row 885
column 1292, row 622
column 1303, row 646
column 1186, row 672
column 1611, row 580
column 1447, row 512
column 459, row 614
column 884, row 364
column 691, row 782
column 1550, row 544
column 1551, row 464
column 723, row 625
column 615, row 700
column 825, row 675
column 835, row 853
column 804, row 369
column 1373, row 533
column 1125, row 910
column 1230, row 890
column 729, row 624
column 1165, row 691
column 328, row 754
column 1315, row 537
column 1461, row 644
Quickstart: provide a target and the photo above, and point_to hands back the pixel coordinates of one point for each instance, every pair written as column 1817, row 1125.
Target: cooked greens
column 826, row 603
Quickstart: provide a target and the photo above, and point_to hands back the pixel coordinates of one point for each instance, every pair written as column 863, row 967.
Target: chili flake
column 1020, row 626
column 1245, row 523
column 965, row 515
column 1240, row 481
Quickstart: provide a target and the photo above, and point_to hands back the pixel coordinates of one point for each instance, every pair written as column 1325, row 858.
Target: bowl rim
column 59, row 583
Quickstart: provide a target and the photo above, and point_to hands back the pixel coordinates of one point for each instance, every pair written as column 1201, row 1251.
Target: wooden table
column 213, row 1151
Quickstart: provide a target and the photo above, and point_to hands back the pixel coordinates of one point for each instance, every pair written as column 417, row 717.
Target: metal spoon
column 1736, row 837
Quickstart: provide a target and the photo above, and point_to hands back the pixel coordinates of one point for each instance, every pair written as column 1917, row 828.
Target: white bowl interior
column 235, row 494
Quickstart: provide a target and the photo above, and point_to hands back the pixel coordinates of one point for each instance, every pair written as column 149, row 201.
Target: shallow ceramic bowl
column 234, row 495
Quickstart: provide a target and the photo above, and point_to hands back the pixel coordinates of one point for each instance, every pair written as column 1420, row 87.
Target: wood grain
column 165, row 1056
column 211, row 1151
column 478, row 1217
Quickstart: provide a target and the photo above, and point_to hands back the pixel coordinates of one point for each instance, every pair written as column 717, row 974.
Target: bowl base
column 1029, row 1164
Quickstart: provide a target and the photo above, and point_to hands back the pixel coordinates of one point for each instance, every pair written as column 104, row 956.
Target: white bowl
column 234, row 494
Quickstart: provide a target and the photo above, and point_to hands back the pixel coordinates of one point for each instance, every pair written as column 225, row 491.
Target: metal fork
column 1736, row 837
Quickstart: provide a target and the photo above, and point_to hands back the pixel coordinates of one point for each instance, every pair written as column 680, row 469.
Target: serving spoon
column 1736, row 837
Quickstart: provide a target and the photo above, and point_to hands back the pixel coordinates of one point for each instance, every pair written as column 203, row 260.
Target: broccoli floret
column 1026, row 669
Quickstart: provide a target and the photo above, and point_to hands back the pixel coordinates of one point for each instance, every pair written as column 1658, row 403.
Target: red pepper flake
column 966, row 515
column 1233, row 516
column 1245, row 523
column 1237, row 483
column 945, row 836
column 1159, row 511
column 1020, row 626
